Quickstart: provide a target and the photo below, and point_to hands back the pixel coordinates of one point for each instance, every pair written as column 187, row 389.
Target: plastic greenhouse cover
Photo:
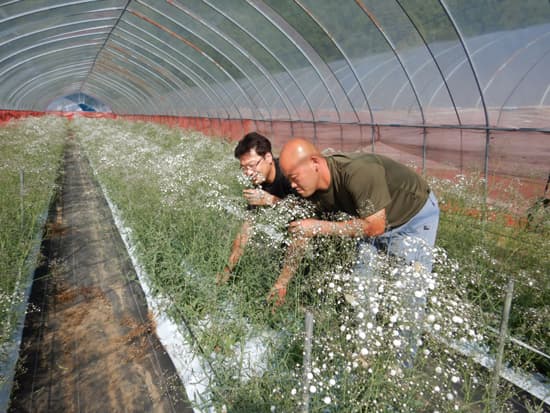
column 408, row 62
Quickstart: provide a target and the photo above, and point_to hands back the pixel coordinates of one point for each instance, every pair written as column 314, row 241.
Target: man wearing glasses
column 258, row 163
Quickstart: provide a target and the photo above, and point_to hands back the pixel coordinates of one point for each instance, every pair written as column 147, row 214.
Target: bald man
column 389, row 203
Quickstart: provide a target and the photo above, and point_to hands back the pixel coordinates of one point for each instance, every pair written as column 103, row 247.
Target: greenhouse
column 150, row 261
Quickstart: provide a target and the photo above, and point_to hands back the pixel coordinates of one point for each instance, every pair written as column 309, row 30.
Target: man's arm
column 237, row 250
column 259, row 197
column 305, row 229
column 370, row 226
column 293, row 257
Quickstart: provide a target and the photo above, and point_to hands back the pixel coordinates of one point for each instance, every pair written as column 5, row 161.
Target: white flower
column 430, row 318
column 397, row 343
column 458, row 320
column 327, row 399
column 419, row 293
column 293, row 392
column 364, row 351
column 455, row 379
column 332, row 382
column 312, row 389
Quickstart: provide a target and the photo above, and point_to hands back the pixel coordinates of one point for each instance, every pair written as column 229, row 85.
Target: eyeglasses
column 251, row 167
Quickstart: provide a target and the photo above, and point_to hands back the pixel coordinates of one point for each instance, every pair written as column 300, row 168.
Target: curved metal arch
column 40, row 45
column 146, row 69
column 268, row 50
column 350, row 65
column 189, row 71
column 387, row 74
column 346, row 59
column 438, row 88
column 52, row 7
column 197, row 49
column 243, row 52
column 433, row 58
column 396, row 54
column 92, row 95
column 277, row 21
column 123, row 106
column 129, row 78
column 120, row 86
column 45, row 85
column 61, row 50
column 15, row 91
column 49, row 28
column 223, row 53
column 185, row 87
column 510, row 59
column 443, row 82
column 363, row 77
column 517, row 85
column 459, row 65
column 476, row 78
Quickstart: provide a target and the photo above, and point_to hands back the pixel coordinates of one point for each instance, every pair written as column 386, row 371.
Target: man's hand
column 306, row 227
column 277, row 295
column 258, row 197
column 223, row 276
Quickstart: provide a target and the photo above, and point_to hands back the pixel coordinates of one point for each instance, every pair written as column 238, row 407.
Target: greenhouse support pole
column 307, row 360
column 21, row 195
column 501, row 342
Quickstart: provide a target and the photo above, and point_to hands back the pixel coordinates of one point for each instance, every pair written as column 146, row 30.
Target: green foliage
column 30, row 149
column 180, row 194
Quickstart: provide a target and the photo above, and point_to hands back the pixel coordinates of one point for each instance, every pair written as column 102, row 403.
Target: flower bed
column 30, row 157
column 179, row 193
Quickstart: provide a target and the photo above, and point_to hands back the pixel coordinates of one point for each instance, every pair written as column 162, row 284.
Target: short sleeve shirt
column 280, row 187
column 362, row 184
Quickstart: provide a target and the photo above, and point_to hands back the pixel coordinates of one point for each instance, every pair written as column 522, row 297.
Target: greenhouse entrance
column 89, row 340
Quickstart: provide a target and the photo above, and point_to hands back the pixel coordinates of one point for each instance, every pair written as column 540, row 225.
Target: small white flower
column 312, row 389
column 419, row 293
column 327, row 399
column 397, row 343
column 293, row 392
column 364, row 351
column 450, row 396
column 458, row 320
column 332, row 382
column 455, row 379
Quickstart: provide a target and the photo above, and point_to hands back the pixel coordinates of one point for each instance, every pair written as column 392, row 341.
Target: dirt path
column 89, row 342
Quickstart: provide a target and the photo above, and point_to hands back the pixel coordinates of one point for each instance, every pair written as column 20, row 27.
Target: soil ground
column 89, row 341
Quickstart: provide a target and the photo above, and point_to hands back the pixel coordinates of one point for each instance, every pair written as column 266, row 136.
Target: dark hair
column 253, row 140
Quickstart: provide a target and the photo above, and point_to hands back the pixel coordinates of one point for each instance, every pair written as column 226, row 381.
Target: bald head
column 296, row 151
column 304, row 166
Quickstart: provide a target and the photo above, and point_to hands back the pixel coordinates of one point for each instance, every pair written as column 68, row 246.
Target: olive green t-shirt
column 362, row 184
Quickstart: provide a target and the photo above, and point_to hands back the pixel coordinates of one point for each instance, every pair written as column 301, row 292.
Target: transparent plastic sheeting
column 373, row 62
